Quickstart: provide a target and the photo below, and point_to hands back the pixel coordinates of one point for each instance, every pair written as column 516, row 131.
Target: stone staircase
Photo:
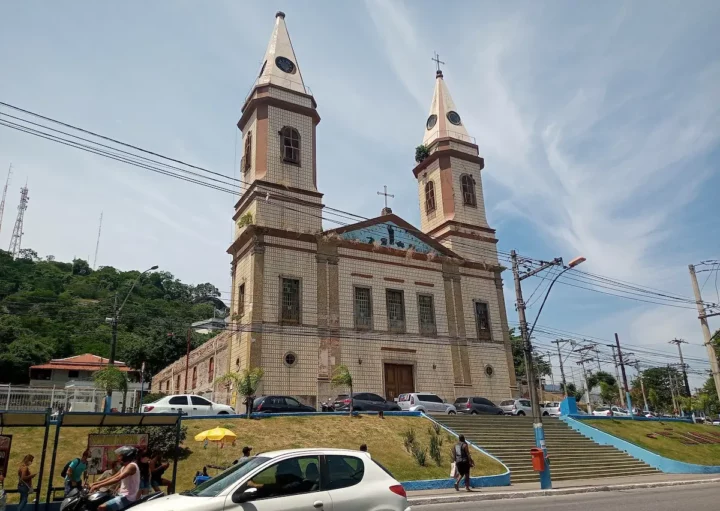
column 572, row 455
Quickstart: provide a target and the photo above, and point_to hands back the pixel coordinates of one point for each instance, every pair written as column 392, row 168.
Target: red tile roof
column 86, row 362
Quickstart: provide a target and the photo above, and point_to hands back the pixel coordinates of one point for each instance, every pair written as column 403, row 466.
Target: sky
column 599, row 124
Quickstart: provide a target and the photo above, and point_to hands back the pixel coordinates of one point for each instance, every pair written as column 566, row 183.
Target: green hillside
column 51, row 309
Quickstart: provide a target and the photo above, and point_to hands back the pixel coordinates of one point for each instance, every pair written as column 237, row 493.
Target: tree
column 245, row 384
column 609, row 391
column 29, row 254
column 342, row 378
column 111, row 379
column 542, row 366
column 572, row 391
column 657, row 383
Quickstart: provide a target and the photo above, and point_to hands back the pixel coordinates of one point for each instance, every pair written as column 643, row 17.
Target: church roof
column 444, row 119
column 393, row 232
column 280, row 65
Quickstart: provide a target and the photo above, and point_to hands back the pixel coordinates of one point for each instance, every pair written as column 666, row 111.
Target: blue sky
column 599, row 125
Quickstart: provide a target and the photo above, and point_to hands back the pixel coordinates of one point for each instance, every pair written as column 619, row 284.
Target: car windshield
column 461, row 400
column 213, row 487
column 508, row 402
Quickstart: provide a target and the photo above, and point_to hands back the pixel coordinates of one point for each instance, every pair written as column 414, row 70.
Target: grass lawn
column 671, row 447
column 383, row 437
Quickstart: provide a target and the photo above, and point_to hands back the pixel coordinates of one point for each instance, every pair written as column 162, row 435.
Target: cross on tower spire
column 437, row 61
column 386, row 210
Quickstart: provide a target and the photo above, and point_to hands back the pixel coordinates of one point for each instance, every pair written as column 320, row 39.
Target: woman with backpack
column 25, row 481
column 463, row 462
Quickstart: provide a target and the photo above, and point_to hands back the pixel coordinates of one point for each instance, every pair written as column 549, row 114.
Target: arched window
column 211, row 370
column 194, row 380
column 429, row 197
column 468, row 190
column 290, row 144
column 247, row 158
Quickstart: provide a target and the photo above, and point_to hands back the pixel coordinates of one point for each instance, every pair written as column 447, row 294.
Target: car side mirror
column 244, row 496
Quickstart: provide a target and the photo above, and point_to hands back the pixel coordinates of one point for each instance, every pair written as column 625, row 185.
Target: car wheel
column 521, row 414
column 545, row 414
column 451, row 412
column 474, row 412
column 500, row 413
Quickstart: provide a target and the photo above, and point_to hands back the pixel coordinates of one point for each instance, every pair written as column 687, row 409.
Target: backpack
column 64, row 471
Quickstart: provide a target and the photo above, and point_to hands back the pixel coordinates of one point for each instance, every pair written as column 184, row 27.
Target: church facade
column 404, row 308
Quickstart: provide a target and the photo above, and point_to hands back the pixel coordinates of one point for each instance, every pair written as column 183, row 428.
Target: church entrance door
column 398, row 380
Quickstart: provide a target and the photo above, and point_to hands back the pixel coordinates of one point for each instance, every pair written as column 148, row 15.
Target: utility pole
column 562, row 370
column 4, row 195
column 672, row 390
column 581, row 363
column 617, row 374
column 597, row 356
column 679, row 342
column 552, row 373
column 628, row 400
column 642, row 384
column 97, row 245
column 707, row 338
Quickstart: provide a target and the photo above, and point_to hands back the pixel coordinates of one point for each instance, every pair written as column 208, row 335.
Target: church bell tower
column 278, row 124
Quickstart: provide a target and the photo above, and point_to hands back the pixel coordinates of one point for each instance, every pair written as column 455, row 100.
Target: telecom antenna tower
column 2, row 202
column 97, row 245
column 16, row 240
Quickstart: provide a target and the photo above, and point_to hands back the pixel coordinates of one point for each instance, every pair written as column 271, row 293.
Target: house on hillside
column 76, row 371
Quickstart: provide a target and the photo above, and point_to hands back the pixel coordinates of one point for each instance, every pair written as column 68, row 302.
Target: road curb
column 475, row 497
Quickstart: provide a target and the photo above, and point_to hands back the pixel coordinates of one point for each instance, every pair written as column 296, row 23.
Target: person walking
column 75, row 471
column 463, row 462
column 25, row 481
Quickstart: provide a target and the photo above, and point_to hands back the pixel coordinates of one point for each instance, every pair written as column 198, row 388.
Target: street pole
column 679, row 343
column 545, row 478
column 628, row 400
column 581, row 363
column 672, row 390
column 552, row 373
column 707, row 338
column 617, row 374
column 562, row 370
column 642, row 385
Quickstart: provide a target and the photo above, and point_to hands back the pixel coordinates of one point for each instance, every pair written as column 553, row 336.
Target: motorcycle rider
column 128, row 477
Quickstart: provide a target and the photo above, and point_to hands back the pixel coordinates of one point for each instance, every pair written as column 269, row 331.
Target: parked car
column 516, row 407
column 294, row 480
column 550, row 408
column 188, row 404
column 602, row 411
column 476, row 406
column 280, row 404
column 425, row 402
column 365, row 402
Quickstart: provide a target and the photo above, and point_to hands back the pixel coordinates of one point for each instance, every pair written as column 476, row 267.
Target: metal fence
column 62, row 399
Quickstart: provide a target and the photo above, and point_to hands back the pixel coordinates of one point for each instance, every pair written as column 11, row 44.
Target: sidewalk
column 525, row 490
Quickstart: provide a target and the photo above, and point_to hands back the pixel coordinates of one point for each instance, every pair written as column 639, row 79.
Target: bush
column 160, row 438
column 409, row 439
column 420, row 455
column 435, row 444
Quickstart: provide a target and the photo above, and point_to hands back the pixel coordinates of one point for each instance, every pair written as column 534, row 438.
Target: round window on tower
column 285, row 64
column 489, row 371
column 454, row 117
column 430, row 124
column 290, row 359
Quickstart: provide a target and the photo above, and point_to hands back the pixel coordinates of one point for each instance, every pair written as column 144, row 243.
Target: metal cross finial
column 437, row 61
column 386, row 195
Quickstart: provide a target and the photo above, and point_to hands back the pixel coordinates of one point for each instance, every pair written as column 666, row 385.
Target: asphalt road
column 699, row 496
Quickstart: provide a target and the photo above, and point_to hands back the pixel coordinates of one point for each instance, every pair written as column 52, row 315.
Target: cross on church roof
column 437, row 61
column 386, row 210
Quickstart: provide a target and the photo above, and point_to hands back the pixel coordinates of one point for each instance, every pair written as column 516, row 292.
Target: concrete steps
column 572, row 456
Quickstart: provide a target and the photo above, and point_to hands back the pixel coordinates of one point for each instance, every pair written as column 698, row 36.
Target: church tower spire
column 278, row 124
column 452, row 209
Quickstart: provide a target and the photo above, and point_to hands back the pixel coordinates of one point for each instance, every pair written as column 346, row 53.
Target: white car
column 294, row 480
column 518, row 407
column 551, row 408
column 611, row 411
column 425, row 402
column 188, row 404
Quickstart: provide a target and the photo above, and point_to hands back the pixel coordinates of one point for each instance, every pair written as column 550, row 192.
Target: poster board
column 102, row 449
column 5, row 443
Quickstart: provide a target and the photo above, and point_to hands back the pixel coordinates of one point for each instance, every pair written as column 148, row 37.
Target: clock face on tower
column 285, row 64
column 454, row 118
column 431, row 121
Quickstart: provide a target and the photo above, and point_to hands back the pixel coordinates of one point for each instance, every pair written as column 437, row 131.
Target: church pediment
column 391, row 231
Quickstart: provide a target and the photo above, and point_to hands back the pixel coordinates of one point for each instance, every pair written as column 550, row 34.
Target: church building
column 406, row 309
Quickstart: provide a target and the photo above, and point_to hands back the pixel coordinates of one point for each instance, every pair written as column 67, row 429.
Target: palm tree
column 245, row 383
column 111, row 378
column 342, row 378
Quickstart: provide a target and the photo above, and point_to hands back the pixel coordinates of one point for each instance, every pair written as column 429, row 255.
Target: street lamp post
column 114, row 322
column 545, row 478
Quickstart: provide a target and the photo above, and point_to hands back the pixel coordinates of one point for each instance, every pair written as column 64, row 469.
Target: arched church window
column 467, row 183
column 429, row 197
column 290, row 144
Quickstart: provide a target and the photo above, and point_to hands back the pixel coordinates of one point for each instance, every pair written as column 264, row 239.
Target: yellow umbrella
column 215, row 435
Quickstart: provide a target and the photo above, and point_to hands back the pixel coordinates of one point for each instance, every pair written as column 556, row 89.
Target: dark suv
column 280, row 404
column 476, row 405
column 365, row 402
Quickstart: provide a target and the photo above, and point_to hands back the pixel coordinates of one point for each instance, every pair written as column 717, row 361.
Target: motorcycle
column 328, row 406
column 83, row 500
